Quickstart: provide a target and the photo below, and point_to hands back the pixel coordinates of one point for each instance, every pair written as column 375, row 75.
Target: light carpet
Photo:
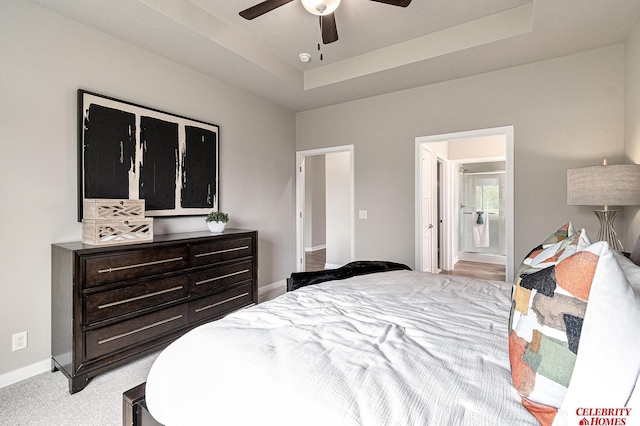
column 44, row 400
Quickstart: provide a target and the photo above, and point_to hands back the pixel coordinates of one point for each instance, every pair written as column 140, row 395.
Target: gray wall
column 45, row 59
column 566, row 112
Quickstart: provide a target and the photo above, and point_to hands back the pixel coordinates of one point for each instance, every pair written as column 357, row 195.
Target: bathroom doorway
column 444, row 178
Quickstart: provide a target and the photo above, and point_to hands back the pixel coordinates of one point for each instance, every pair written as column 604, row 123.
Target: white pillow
column 635, row 252
column 607, row 364
column 634, row 401
column 630, row 269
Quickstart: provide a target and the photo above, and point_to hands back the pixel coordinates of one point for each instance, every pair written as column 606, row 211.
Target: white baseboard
column 494, row 259
column 271, row 291
column 331, row 266
column 315, row 248
column 23, row 373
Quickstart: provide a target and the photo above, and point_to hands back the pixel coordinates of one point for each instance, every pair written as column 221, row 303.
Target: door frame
column 443, row 196
column 300, row 198
column 449, row 209
column 428, row 164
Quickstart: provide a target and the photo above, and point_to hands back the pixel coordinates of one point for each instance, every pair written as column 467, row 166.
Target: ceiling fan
column 322, row 8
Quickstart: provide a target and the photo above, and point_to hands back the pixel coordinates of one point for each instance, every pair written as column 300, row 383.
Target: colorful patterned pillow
column 565, row 231
column 562, row 243
column 558, row 246
column 560, row 319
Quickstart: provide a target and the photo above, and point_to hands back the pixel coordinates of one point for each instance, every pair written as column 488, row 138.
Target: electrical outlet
column 19, row 341
column 362, row 214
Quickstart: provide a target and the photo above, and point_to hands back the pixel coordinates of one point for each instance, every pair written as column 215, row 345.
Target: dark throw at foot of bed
column 359, row 267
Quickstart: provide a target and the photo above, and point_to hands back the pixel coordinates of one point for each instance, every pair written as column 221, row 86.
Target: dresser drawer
column 131, row 332
column 221, row 276
column 134, row 297
column 109, row 268
column 116, row 303
column 218, row 251
column 220, row 303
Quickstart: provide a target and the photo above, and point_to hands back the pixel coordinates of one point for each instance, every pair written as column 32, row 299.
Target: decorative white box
column 125, row 231
column 103, row 208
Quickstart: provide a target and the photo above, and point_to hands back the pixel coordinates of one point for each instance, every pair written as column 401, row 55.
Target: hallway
column 485, row 271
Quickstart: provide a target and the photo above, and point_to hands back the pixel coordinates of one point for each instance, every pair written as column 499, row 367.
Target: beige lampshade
column 613, row 185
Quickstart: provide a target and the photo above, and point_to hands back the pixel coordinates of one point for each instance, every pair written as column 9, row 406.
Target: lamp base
column 607, row 233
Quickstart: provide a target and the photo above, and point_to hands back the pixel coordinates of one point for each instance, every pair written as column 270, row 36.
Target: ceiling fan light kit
column 321, row 7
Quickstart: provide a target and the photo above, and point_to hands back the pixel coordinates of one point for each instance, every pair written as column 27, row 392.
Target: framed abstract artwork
column 129, row 151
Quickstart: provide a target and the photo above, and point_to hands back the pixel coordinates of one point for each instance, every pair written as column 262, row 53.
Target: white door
column 427, row 208
column 337, row 209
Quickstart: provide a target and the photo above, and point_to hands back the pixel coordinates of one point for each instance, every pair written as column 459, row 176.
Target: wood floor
column 486, row 271
column 315, row 261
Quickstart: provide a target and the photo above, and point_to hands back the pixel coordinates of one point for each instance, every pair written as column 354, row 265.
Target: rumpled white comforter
column 392, row 348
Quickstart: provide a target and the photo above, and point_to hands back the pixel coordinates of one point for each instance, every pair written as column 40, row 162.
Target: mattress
column 391, row 348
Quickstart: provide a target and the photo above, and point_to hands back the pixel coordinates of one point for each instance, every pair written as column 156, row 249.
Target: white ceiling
column 381, row 48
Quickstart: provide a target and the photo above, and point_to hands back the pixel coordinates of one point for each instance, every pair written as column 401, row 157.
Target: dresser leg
column 78, row 383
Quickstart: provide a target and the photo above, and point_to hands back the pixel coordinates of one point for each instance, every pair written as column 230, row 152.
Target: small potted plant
column 216, row 221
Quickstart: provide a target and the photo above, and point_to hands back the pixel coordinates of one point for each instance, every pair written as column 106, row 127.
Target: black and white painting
column 128, row 151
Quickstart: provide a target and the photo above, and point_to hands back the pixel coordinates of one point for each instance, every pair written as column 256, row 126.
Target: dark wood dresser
column 113, row 304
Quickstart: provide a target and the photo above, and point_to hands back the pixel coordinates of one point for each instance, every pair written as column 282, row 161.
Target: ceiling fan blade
column 401, row 3
column 329, row 29
column 262, row 8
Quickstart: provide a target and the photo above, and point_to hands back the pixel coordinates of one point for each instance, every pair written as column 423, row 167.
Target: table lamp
column 606, row 185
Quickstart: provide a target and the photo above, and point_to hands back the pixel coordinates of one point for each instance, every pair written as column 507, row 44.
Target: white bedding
column 392, row 348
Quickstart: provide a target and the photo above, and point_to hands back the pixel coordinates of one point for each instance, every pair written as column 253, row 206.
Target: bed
column 408, row 348
column 375, row 349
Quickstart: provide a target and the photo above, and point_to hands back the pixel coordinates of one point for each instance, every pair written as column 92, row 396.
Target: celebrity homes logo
column 603, row 416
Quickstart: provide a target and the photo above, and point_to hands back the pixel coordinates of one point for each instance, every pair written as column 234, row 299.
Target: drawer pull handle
column 137, row 330
column 204, row 308
column 144, row 296
column 222, row 251
column 140, row 265
column 222, row 277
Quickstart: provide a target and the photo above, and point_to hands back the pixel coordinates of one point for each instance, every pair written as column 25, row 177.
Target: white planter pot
column 216, row 226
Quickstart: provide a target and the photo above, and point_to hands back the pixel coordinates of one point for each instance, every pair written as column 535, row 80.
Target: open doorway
column 438, row 179
column 325, row 202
